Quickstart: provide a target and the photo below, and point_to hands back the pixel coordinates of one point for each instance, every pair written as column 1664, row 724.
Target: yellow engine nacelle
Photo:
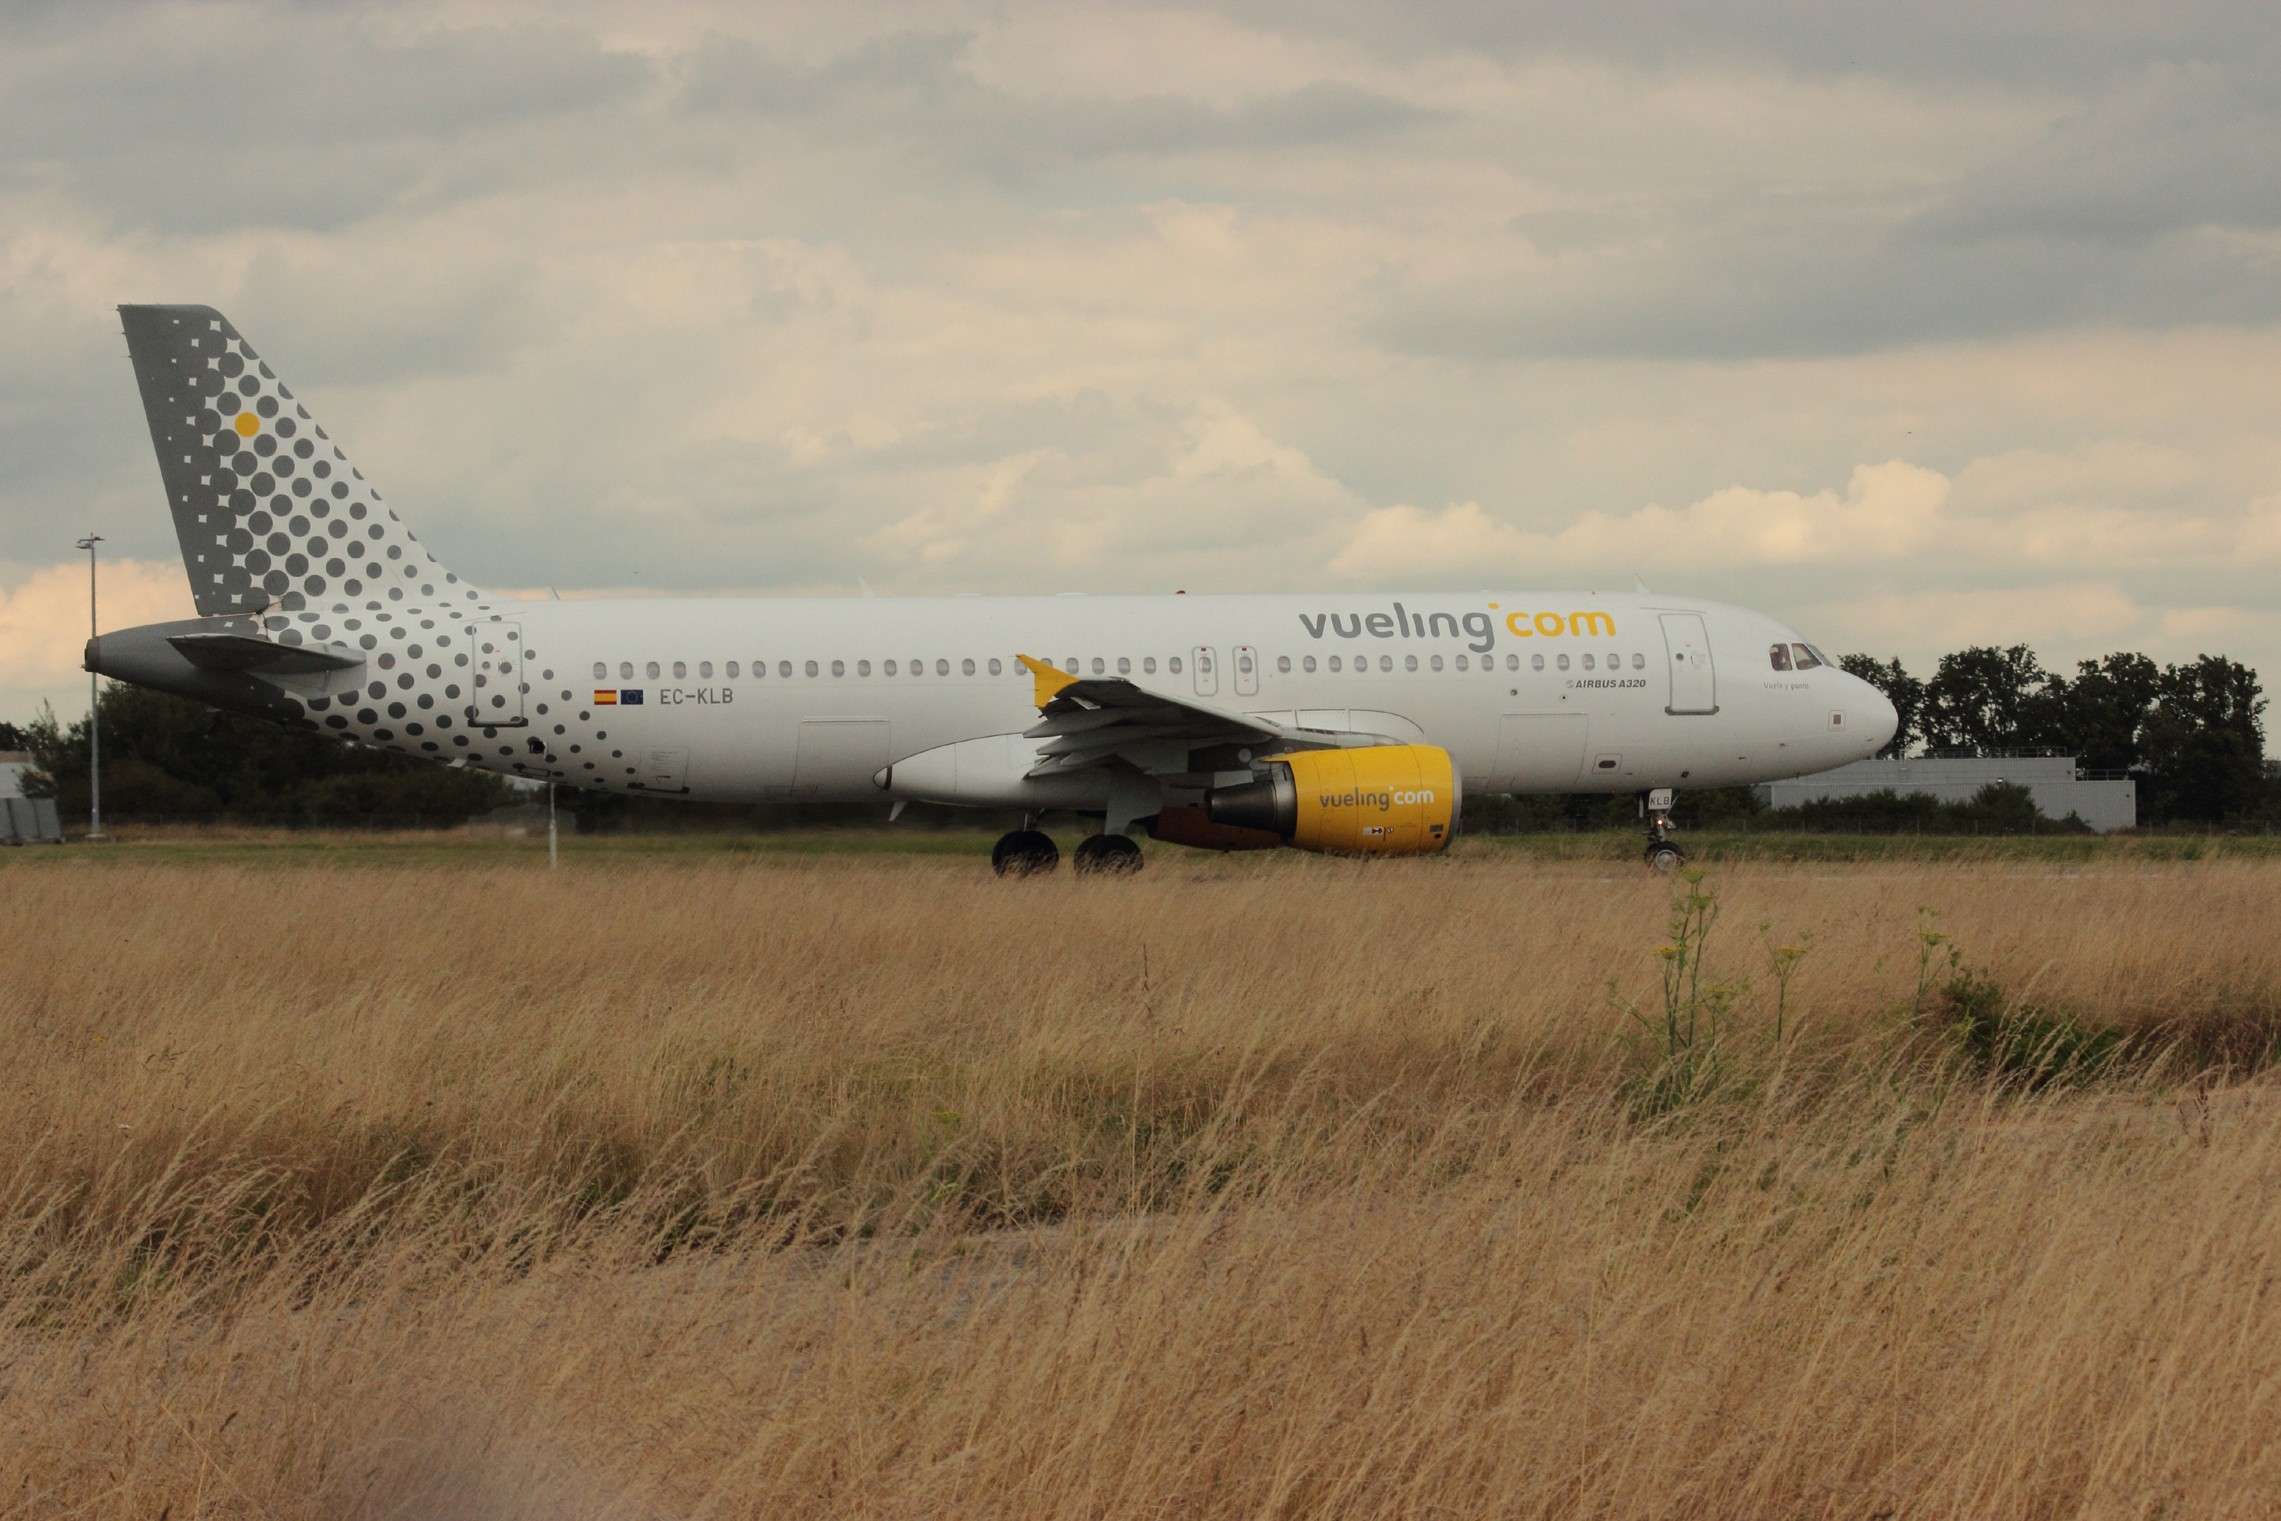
column 1380, row 800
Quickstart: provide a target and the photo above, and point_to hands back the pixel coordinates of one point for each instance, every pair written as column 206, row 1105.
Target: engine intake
column 1378, row 800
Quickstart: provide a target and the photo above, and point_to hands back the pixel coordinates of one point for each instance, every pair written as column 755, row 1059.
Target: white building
column 23, row 819
column 2059, row 786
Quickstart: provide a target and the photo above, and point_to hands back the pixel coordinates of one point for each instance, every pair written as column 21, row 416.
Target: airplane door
column 1207, row 671
column 495, row 698
column 1540, row 752
column 1693, row 683
column 1247, row 671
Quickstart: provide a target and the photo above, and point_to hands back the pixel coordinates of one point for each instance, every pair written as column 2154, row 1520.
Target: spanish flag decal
column 606, row 698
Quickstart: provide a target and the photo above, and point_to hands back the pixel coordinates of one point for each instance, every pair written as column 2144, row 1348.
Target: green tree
column 1905, row 692
column 2099, row 715
column 12, row 738
column 2204, row 742
column 166, row 758
column 1986, row 701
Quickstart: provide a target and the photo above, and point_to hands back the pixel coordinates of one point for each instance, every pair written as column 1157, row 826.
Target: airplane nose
column 1879, row 718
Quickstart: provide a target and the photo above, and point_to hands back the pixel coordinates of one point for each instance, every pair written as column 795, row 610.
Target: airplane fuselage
column 760, row 700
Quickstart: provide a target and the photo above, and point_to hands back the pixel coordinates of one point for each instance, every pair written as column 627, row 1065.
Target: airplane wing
column 1094, row 720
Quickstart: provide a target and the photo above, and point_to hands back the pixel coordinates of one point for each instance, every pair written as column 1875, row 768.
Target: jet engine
column 1376, row 800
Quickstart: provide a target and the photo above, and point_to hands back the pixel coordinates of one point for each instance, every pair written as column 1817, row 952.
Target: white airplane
column 1343, row 722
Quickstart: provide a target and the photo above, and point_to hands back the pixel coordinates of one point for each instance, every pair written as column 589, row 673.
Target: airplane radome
column 1353, row 724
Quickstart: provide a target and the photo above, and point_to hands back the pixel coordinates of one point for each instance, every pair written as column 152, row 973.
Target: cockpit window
column 1807, row 659
column 1780, row 655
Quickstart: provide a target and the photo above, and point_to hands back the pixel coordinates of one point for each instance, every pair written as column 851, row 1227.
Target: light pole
column 94, row 708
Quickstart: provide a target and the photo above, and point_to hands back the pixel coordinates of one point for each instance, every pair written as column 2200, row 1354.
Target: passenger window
column 1536, row 662
column 735, row 670
column 1564, row 662
column 966, row 667
column 601, row 671
column 1283, row 665
column 1148, row 665
column 784, row 668
column 1780, row 655
column 995, row 667
column 811, row 668
column 887, row 666
column 839, row 668
column 1639, row 661
column 1307, row 664
column 942, row 667
column 1334, row 662
column 652, row 668
column 625, row 670
column 1173, row 665
column 1461, row 665
column 1409, row 662
column 1243, row 662
column 863, row 668
column 1099, row 667
column 1386, row 662
column 1512, row 662
column 918, row 668
column 1587, row 661
column 681, row 670
column 1807, row 660
column 704, row 670
column 1435, row 662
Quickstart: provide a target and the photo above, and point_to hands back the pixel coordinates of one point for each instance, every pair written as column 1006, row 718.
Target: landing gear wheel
column 1107, row 855
column 1664, row 856
column 1023, row 853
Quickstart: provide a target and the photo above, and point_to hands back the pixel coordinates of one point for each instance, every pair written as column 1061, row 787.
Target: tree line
column 2192, row 734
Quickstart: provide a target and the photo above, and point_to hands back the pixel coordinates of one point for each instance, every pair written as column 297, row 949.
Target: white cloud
column 2076, row 615
column 1890, row 510
column 43, row 620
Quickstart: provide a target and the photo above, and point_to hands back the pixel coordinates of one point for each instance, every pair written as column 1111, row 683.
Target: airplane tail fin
column 270, row 512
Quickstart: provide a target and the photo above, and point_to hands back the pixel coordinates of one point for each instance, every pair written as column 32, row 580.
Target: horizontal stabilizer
column 244, row 652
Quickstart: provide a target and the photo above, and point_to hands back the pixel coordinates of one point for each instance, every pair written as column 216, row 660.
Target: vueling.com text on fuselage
column 1479, row 630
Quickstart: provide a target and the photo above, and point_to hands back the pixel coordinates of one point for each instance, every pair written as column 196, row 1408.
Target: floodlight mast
column 94, row 708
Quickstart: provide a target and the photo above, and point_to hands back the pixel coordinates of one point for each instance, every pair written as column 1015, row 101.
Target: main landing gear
column 1025, row 852
column 1661, row 854
column 1028, row 851
column 1108, row 855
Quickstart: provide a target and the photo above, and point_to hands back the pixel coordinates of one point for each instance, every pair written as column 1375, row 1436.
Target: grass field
column 352, row 1178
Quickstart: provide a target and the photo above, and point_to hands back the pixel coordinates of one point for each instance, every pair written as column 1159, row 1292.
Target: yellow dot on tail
column 247, row 425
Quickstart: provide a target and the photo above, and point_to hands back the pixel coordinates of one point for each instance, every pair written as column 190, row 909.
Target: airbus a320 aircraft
column 1343, row 723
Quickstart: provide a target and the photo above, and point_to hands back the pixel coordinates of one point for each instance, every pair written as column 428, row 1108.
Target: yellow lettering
column 1514, row 626
column 1549, row 624
column 1592, row 623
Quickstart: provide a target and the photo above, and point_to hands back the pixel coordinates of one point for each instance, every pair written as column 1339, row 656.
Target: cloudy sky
column 1916, row 325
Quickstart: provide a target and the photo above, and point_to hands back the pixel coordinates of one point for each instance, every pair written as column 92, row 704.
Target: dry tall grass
column 881, row 1188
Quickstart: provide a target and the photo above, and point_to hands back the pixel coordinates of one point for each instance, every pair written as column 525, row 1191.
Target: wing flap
column 1103, row 720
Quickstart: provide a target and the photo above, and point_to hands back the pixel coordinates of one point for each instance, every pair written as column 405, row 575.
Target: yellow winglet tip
column 1049, row 681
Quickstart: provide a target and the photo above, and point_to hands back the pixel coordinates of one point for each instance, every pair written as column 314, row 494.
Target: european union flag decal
column 629, row 697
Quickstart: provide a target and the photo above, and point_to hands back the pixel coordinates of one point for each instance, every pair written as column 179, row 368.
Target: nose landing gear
column 1661, row 854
